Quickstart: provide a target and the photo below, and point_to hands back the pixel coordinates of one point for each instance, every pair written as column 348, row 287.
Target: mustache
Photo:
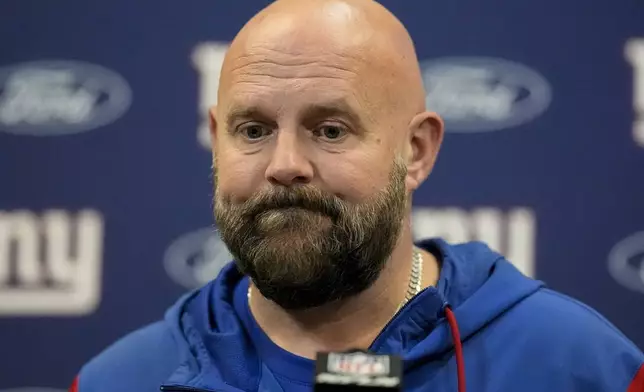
column 305, row 197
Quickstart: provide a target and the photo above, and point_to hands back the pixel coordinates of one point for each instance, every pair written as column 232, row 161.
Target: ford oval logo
column 483, row 94
column 60, row 97
column 196, row 258
column 626, row 262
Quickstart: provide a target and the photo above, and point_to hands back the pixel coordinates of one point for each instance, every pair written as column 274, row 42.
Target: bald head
column 359, row 37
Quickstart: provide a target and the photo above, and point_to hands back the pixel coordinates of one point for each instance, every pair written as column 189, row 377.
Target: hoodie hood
column 216, row 352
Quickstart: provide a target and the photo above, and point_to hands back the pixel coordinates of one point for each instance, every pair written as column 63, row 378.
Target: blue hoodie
column 515, row 335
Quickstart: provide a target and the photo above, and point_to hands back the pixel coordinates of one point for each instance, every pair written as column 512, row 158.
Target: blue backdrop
column 105, row 189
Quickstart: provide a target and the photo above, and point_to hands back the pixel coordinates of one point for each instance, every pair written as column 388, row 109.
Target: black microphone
column 357, row 370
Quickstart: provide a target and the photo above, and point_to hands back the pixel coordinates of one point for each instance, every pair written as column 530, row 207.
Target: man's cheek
column 236, row 188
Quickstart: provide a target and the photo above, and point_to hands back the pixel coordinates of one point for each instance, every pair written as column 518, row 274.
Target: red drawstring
column 458, row 349
column 74, row 386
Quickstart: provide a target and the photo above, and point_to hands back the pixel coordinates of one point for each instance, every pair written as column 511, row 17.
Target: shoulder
column 576, row 339
column 570, row 319
column 141, row 361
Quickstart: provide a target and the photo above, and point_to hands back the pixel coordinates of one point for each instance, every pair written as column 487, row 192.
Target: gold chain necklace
column 415, row 279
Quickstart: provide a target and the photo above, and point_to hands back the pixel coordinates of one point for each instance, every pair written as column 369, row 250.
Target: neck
column 348, row 324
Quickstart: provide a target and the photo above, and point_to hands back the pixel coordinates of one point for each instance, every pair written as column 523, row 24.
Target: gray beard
column 304, row 248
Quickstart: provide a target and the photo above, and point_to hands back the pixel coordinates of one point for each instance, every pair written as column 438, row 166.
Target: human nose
column 289, row 164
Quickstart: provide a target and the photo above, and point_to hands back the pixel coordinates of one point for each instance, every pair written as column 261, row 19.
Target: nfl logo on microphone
column 358, row 363
column 346, row 371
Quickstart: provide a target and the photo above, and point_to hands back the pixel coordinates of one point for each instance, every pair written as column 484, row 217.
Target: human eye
column 253, row 132
column 331, row 132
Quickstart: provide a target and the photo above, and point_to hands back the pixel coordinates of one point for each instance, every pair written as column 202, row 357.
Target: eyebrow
column 251, row 112
column 340, row 108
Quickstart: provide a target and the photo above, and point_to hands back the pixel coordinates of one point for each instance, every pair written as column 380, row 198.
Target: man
column 319, row 139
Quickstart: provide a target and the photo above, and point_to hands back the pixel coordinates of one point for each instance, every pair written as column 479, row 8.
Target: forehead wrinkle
column 336, row 104
column 265, row 57
column 247, row 72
